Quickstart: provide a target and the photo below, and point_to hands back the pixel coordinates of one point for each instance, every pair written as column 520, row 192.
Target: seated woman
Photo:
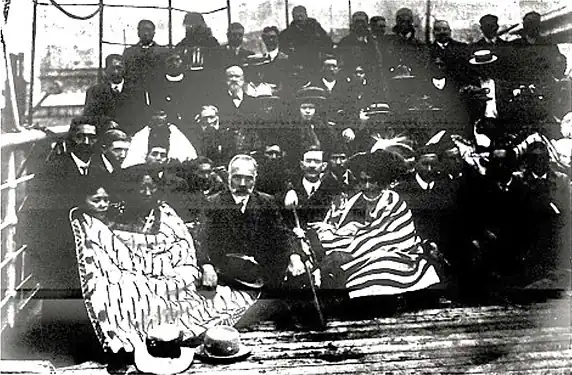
column 376, row 228
column 138, row 266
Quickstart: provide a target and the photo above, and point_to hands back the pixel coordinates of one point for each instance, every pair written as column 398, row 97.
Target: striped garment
column 132, row 282
column 387, row 256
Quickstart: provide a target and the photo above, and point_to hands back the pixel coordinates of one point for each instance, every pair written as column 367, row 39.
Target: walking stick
column 309, row 273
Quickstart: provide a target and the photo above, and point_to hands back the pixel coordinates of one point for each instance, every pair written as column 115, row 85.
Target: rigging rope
column 70, row 15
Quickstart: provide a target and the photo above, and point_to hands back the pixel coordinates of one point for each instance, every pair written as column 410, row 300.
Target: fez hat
column 311, row 94
column 482, row 57
column 222, row 344
column 162, row 353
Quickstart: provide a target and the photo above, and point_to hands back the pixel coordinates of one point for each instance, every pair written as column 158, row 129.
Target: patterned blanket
column 134, row 281
column 387, row 255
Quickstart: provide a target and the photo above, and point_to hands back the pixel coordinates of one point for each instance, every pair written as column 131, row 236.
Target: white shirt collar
column 80, row 164
column 329, row 85
column 107, row 164
column 443, row 45
column 424, row 184
column 273, row 54
column 178, row 78
column 118, row 86
column 241, row 200
column 543, row 177
column 494, row 40
column 309, row 185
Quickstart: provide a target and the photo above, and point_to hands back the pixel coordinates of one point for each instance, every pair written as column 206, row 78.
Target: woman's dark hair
column 129, row 179
column 89, row 185
column 383, row 166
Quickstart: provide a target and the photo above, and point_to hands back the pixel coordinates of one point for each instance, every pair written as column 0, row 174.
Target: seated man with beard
column 244, row 241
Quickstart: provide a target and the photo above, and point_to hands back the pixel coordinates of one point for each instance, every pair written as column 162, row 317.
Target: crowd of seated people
column 381, row 164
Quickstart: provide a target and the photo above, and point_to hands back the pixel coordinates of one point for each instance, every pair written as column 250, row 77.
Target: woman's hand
column 348, row 135
column 210, row 278
column 321, row 226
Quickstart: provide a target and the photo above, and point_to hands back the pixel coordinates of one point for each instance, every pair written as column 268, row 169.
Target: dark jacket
column 305, row 44
column 315, row 207
column 259, row 232
column 126, row 107
column 143, row 65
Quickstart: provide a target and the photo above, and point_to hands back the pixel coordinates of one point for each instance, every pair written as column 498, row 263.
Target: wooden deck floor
column 520, row 339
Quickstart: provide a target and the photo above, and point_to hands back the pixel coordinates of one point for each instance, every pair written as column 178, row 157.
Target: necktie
column 312, row 191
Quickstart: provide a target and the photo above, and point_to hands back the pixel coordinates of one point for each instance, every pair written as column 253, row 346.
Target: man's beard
column 82, row 151
column 241, row 192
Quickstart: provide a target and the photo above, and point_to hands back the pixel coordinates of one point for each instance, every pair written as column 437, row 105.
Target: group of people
column 204, row 177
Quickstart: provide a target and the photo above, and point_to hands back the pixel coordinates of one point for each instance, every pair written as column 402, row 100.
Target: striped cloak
column 387, row 256
column 132, row 282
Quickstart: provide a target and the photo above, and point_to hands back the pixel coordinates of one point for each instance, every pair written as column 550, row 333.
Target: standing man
column 536, row 58
column 245, row 242
column 304, row 40
column 358, row 48
column 143, row 61
column 452, row 53
column 234, row 52
column 114, row 98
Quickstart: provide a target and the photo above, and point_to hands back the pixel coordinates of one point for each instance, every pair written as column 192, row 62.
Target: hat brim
column 145, row 362
column 311, row 99
column 473, row 61
column 242, row 353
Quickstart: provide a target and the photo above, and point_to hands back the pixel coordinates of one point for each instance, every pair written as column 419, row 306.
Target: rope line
column 75, row 17
column 59, row 6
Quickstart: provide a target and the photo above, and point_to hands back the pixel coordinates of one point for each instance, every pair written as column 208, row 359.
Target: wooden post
column 428, row 22
column 229, row 15
column 287, row 13
column 170, row 5
column 100, row 73
column 350, row 11
column 32, row 64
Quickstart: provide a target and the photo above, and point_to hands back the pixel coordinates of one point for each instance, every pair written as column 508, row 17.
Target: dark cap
column 488, row 18
column 311, row 94
column 194, row 19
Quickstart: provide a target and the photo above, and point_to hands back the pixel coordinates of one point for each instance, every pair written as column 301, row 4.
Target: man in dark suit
column 403, row 48
column 243, row 223
column 234, row 52
column 315, row 189
column 44, row 220
column 453, row 53
column 304, row 40
column 113, row 145
column 536, row 59
column 144, row 60
column 237, row 109
column 114, row 98
column 492, row 42
column 358, row 48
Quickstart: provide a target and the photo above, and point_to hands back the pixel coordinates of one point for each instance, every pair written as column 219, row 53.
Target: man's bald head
column 441, row 31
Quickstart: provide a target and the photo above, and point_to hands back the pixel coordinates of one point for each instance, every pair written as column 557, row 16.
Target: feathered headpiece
column 386, row 160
